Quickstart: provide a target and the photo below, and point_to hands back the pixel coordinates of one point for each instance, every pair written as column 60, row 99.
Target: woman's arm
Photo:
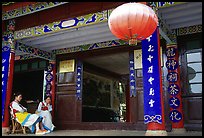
column 50, row 108
column 39, row 107
column 17, row 107
column 25, row 109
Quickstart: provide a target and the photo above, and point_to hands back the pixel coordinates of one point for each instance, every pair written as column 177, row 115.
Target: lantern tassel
column 133, row 42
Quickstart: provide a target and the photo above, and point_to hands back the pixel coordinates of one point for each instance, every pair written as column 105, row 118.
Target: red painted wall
column 3, row 26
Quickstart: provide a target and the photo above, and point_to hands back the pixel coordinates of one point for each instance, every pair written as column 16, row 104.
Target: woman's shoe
column 39, row 132
column 46, row 131
column 53, row 127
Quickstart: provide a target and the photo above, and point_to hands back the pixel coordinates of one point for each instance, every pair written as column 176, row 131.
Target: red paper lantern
column 132, row 22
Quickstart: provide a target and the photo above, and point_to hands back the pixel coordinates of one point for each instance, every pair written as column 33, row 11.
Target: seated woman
column 44, row 109
column 32, row 121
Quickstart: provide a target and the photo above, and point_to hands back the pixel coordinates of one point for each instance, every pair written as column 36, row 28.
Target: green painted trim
column 7, row 3
column 33, row 51
column 24, row 57
column 99, row 45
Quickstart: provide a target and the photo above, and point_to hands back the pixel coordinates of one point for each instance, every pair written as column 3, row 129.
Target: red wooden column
column 152, row 83
column 8, row 40
column 53, row 87
column 174, row 88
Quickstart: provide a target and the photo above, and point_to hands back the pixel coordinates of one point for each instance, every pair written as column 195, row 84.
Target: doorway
column 30, row 84
column 105, row 79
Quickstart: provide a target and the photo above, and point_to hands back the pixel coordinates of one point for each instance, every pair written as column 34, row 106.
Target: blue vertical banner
column 132, row 75
column 79, row 79
column 151, row 79
column 5, row 69
column 174, row 83
column 48, row 78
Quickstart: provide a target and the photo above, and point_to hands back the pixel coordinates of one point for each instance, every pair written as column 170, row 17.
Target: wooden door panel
column 140, row 106
column 66, row 108
column 193, row 109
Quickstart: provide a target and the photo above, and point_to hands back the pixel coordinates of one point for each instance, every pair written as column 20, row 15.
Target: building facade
column 66, row 49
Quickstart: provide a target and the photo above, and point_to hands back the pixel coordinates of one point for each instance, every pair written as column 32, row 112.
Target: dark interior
column 30, row 84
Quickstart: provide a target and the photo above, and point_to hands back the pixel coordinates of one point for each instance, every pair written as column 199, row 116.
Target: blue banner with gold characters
column 5, row 69
column 79, row 79
column 173, row 78
column 151, row 79
column 48, row 79
column 132, row 75
column 175, row 116
column 174, row 102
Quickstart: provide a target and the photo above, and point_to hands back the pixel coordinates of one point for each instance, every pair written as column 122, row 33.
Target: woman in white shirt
column 20, row 114
column 44, row 109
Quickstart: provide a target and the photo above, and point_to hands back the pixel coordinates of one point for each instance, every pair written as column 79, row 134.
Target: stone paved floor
column 105, row 133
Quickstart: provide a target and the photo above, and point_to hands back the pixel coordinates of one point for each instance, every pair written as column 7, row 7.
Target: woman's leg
column 41, row 126
column 47, row 120
column 37, row 127
column 38, row 130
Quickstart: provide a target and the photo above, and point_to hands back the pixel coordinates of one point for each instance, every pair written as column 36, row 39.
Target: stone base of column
column 5, row 130
column 156, row 133
column 178, row 130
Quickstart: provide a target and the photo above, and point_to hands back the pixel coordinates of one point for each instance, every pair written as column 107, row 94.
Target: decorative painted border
column 153, row 118
column 90, row 47
column 34, row 51
column 24, row 57
column 167, row 4
column 29, row 9
column 189, row 30
column 76, row 22
column 74, row 49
